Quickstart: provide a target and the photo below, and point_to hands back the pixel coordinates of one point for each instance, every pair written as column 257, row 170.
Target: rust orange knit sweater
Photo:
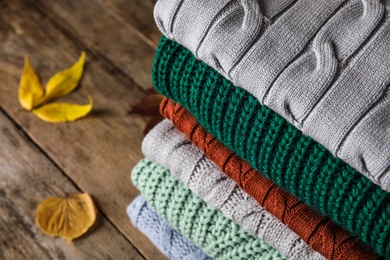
column 325, row 236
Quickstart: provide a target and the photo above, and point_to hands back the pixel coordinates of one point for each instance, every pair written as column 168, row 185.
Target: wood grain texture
column 137, row 14
column 98, row 152
column 103, row 33
column 27, row 178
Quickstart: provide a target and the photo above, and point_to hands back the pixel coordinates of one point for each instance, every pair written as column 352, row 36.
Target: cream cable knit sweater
column 323, row 65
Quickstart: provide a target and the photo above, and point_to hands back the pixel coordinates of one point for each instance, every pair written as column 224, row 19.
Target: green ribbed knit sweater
column 208, row 228
column 272, row 146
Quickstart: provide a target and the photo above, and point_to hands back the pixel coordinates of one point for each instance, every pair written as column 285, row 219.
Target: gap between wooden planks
column 105, row 32
column 98, row 152
column 28, row 177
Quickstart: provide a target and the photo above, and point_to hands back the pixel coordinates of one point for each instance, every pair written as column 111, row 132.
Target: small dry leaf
column 30, row 89
column 64, row 82
column 152, row 123
column 151, row 91
column 148, row 106
column 63, row 112
column 32, row 95
column 68, row 217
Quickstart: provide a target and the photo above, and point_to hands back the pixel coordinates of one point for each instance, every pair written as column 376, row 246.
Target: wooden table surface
column 93, row 155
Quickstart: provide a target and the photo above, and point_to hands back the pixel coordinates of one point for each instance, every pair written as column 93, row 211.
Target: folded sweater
column 208, row 228
column 326, row 237
column 170, row 242
column 170, row 148
column 273, row 147
column 323, row 65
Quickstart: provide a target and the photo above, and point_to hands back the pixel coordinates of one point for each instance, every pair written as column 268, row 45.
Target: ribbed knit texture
column 208, row 228
column 170, row 242
column 170, row 148
column 323, row 65
column 318, row 231
column 274, row 147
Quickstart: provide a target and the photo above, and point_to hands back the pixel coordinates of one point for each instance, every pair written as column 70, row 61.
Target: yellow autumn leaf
column 30, row 89
column 63, row 112
column 68, row 217
column 64, row 82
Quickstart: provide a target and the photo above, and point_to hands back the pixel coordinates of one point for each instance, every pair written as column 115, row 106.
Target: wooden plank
column 27, row 177
column 103, row 33
column 138, row 14
column 98, row 152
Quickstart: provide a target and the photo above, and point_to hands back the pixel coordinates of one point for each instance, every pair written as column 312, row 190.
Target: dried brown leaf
column 151, row 91
column 152, row 123
column 148, row 106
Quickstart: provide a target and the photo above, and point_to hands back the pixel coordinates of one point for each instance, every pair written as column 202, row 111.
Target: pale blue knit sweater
column 170, row 242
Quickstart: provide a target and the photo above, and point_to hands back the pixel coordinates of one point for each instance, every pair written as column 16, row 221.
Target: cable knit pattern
column 275, row 148
column 318, row 231
column 208, row 228
column 171, row 149
column 323, row 65
column 170, row 242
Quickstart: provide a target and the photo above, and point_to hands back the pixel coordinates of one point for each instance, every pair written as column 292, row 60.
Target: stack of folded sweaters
column 276, row 142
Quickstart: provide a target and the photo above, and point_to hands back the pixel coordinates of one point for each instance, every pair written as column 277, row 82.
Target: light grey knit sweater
column 170, row 148
column 323, row 65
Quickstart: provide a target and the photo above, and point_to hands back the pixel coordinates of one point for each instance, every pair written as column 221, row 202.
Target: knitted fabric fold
column 208, row 228
column 275, row 148
column 170, row 242
column 170, row 148
column 323, row 65
column 319, row 232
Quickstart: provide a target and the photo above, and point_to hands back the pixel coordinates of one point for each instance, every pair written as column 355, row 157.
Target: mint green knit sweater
column 274, row 147
column 208, row 228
